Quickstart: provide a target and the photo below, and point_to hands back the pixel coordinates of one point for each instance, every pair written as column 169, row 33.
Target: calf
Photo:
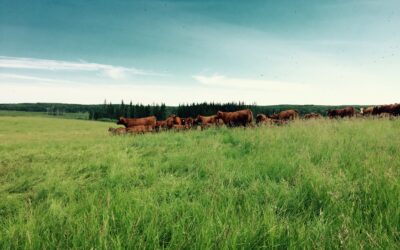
column 262, row 119
column 312, row 116
column 139, row 129
column 206, row 121
column 290, row 114
column 117, row 131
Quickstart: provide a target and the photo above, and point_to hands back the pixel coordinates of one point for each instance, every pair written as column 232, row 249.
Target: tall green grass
column 317, row 184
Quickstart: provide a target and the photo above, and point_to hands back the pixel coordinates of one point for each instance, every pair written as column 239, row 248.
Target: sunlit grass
column 317, row 184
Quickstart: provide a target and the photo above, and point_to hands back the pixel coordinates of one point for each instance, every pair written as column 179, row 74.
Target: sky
column 175, row 52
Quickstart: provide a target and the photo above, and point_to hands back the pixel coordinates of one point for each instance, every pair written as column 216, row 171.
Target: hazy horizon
column 160, row 103
column 176, row 52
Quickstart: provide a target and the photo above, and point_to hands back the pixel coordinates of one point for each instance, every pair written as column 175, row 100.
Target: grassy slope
column 66, row 183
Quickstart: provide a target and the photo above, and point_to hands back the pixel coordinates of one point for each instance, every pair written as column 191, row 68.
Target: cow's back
column 145, row 121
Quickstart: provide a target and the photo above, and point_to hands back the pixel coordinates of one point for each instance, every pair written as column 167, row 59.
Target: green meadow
column 67, row 183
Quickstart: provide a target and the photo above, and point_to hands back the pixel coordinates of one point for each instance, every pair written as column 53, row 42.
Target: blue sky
column 264, row 52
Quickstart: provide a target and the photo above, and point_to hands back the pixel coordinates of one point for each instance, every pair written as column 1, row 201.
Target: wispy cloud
column 28, row 78
column 114, row 72
column 217, row 80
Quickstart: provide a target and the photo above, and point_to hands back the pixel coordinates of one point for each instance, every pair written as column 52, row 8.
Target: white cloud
column 32, row 78
column 217, row 80
column 114, row 72
column 24, row 88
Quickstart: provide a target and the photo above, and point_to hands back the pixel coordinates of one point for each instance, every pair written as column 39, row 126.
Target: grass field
column 83, row 116
column 321, row 184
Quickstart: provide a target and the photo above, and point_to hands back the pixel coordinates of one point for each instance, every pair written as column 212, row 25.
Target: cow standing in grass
column 286, row 115
column 131, row 122
column 161, row 125
column 367, row 111
column 262, row 119
column 312, row 116
column 392, row 109
column 188, row 122
column 206, row 121
column 173, row 120
column 346, row 112
column 117, row 131
column 237, row 118
column 140, row 129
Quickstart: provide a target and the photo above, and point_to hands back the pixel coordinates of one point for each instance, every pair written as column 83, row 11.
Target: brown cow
column 188, row 122
column 346, row 112
column 117, row 131
column 393, row 109
column 262, row 119
column 173, row 120
column 367, row 111
column 140, row 129
column 130, row 122
column 161, row 125
column 237, row 118
column 290, row 114
column 312, row 116
column 206, row 121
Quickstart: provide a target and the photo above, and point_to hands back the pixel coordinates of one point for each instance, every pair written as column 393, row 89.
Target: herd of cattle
column 239, row 118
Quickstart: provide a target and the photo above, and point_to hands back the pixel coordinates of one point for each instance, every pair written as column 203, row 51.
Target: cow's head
column 259, row 118
column 121, row 121
column 219, row 114
column 197, row 120
column 273, row 116
column 178, row 120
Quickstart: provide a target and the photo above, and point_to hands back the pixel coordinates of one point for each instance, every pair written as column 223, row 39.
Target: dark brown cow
column 346, row 112
column 237, row 118
column 130, row 122
column 396, row 109
column 393, row 109
column 290, row 114
column 117, row 131
column 262, row 119
column 312, row 116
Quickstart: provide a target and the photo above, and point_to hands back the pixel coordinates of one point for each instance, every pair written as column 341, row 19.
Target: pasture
column 67, row 183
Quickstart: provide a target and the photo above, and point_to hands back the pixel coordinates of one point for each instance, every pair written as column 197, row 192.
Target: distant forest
column 109, row 111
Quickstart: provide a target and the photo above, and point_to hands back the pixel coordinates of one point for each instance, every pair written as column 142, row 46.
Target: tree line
column 110, row 111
